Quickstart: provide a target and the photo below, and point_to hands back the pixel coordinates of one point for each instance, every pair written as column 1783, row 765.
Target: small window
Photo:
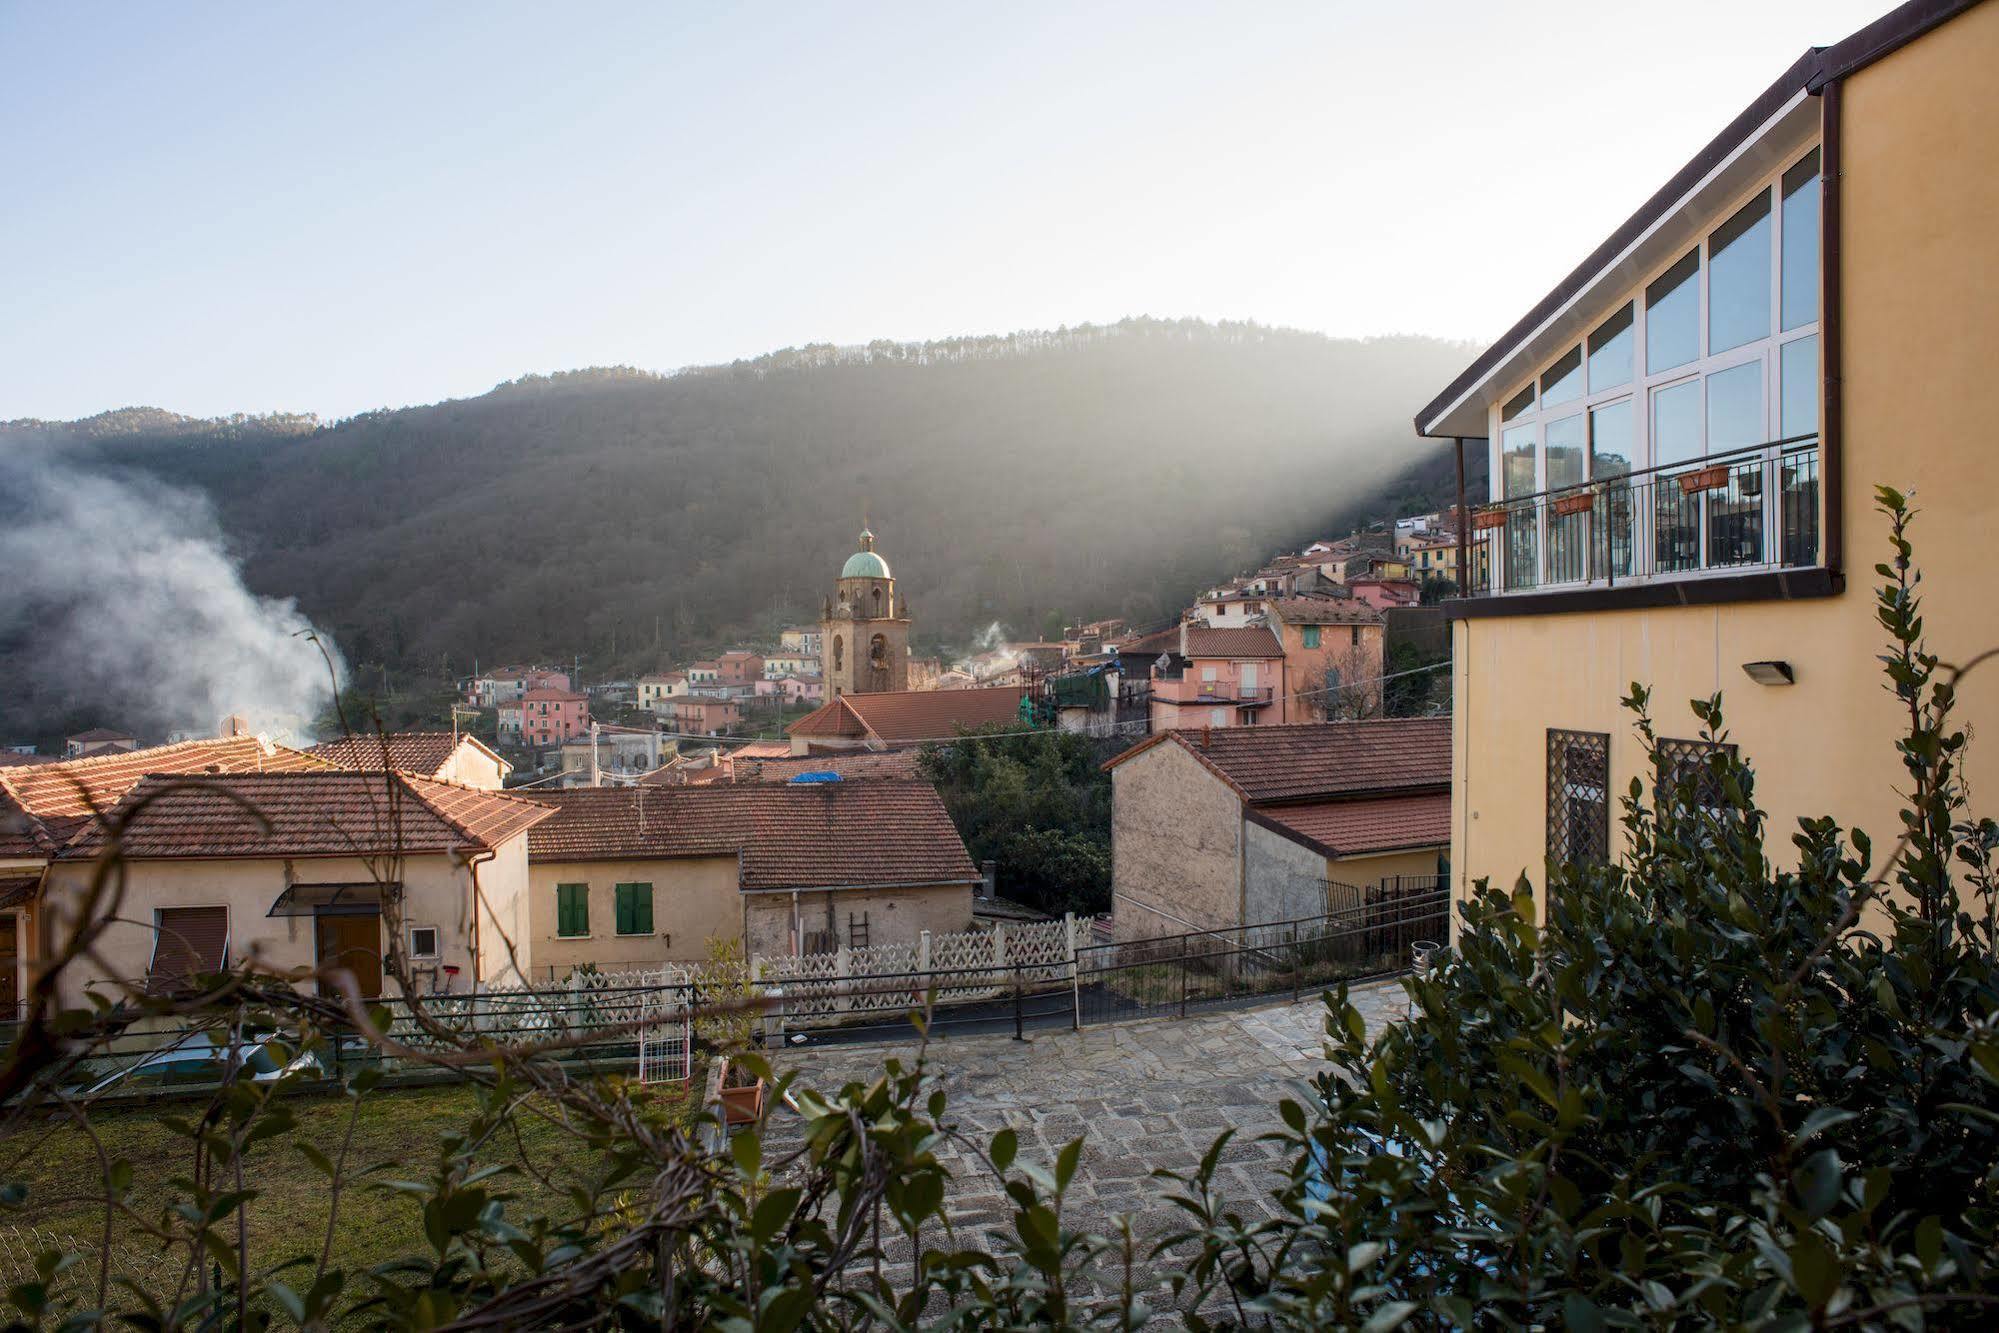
column 423, row 941
column 1311, row 636
column 1688, row 765
column 1801, row 242
column 572, row 910
column 1578, row 797
column 1354, row 632
column 1610, row 352
column 634, row 906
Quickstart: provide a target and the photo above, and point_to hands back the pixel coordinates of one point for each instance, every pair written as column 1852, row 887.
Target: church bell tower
column 864, row 628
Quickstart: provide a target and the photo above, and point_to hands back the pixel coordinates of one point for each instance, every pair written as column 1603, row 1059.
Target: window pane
column 1735, row 407
column 1520, row 402
column 1610, row 352
column 1610, row 440
column 1673, row 316
column 1738, row 278
column 1565, row 451
column 1519, row 462
column 1801, row 242
column 1676, row 423
column 1799, row 403
column 1563, row 380
column 1611, row 446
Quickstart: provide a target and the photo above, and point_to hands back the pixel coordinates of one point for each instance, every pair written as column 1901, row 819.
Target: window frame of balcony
column 1641, row 388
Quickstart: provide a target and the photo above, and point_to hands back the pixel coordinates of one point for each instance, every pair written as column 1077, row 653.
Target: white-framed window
column 1716, row 350
column 423, row 942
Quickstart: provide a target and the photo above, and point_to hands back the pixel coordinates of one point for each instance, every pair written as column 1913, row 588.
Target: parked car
column 202, row 1057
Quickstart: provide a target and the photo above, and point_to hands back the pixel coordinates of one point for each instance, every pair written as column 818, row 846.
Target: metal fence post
column 1183, row 976
column 1016, row 1004
column 1297, row 963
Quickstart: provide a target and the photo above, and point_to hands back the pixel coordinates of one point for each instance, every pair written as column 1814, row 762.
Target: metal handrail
column 1705, row 460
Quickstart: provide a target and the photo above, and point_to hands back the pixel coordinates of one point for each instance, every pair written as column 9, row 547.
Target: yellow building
column 1685, row 436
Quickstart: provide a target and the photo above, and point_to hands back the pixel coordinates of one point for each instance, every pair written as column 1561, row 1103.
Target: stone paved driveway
column 1145, row 1095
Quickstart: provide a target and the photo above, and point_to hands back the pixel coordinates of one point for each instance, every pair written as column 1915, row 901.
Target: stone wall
column 1176, row 846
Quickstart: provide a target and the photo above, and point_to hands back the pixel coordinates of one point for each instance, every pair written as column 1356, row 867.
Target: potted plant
column 742, row 1094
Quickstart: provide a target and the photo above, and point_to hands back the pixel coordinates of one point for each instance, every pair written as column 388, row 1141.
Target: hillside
column 628, row 517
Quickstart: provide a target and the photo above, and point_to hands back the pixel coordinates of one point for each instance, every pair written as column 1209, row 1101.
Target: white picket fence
column 799, row 991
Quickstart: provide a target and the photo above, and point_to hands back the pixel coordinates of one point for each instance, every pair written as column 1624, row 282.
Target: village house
column 550, row 717
column 608, row 754
column 1215, row 829
column 440, row 755
column 739, row 669
column 98, row 740
column 631, row 877
column 1219, row 678
column 1333, row 653
column 1384, row 593
column 784, row 663
column 1229, row 608
column 509, row 684
column 791, row 691
column 1684, row 439
column 43, row 806
column 702, row 715
column 896, row 718
column 656, row 688
column 803, row 640
column 301, row 869
column 704, row 677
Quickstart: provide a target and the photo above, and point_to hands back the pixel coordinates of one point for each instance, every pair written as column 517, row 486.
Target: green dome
column 864, row 563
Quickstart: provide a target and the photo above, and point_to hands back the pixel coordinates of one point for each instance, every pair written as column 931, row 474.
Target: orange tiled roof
column 553, row 696
column 424, row 753
column 1369, row 825
column 14, row 759
column 901, row 717
column 826, row 835
column 301, row 814
column 1308, row 760
column 1243, row 641
column 49, row 802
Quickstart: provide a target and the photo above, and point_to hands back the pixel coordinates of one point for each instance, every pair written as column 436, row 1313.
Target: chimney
column 989, row 877
column 1207, row 732
column 596, row 773
column 233, row 724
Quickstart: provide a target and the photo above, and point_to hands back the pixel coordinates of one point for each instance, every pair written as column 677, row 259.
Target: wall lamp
column 1770, row 673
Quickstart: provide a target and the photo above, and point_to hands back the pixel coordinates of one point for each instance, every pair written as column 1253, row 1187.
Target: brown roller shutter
column 191, row 940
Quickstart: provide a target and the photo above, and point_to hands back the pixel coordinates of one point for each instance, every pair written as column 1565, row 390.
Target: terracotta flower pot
column 1580, row 503
column 1711, row 478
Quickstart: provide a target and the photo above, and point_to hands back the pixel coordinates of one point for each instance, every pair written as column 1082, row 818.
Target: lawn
column 399, row 1132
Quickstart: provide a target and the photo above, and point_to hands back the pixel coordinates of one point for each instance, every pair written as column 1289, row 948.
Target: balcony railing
column 1747, row 509
column 1185, row 690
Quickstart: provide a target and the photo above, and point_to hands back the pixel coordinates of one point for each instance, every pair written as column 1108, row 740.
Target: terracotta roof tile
column 1325, row 611
column 49, row 802
column 319, row 813
column 424, row 753
column 1244, row 641
column 14, row 759
column 834, row 834
column 900, row 717
column 1317, row 759
column 1370, row 824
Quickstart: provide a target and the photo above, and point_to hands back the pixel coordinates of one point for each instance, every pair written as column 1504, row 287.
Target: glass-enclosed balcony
column 1743, row 510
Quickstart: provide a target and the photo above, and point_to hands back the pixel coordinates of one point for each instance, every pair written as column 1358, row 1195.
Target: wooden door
column 355, row 943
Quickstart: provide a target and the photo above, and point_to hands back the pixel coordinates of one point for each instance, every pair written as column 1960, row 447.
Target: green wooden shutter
column 635, row 909
column 1311, row 636
column 572, row 909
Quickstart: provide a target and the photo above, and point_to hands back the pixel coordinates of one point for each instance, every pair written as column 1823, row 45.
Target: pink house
column 1231, row 677
column 740, row 668
column 704, row 715
column 793, row 689
column 550, row 717
column 1381, row 594
column 1332, row 656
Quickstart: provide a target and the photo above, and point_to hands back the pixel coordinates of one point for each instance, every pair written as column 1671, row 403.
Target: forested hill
column 631, row 517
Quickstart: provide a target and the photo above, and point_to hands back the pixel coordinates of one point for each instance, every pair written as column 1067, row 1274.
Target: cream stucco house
column 636, row 876
column 441, row 755
column 1684, row 438
column 298, row 870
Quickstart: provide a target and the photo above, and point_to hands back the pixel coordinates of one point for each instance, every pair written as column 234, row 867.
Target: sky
column 281, row 207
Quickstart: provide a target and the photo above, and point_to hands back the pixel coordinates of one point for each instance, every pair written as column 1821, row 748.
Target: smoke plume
column 135, row 615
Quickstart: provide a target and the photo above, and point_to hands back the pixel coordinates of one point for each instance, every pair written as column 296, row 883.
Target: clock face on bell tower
column 864, row 645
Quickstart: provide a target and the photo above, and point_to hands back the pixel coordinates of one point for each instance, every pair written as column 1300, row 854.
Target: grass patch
column 399, row 1130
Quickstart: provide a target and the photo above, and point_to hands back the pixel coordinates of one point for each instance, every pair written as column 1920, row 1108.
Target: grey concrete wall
column 1176, row 848
column 1284, row 880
